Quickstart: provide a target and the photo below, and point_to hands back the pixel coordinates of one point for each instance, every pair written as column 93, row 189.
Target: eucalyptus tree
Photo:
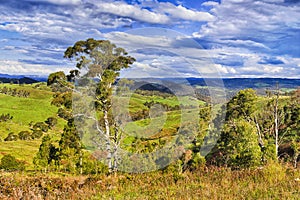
column 100, row 62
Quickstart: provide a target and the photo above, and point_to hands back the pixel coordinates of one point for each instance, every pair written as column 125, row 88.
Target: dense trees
column 70, row 148
column 239, row 143
column 257, row 130
column 291, row 128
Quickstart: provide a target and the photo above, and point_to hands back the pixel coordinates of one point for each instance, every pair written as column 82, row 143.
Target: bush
column 51, row 121
column 91, row 165
column 64, row 114
column 24, row 135
column 41, row 126
column 36, row 134
column 10, row 163
column 56, row 77
column 11, row 137
column 5, row 117
column 63, row 99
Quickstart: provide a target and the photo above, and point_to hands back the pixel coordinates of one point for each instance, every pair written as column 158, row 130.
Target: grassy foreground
column 271, row 182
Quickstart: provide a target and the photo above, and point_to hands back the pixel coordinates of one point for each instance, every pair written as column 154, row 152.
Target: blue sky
column 229, row 38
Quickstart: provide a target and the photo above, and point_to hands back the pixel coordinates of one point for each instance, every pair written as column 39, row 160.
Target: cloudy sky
column 229, row 38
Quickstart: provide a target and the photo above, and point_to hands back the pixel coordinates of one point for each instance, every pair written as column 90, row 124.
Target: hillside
column 27, row 111
column 24, row 111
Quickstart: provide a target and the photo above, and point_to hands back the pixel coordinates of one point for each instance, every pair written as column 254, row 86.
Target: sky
column 187, row 38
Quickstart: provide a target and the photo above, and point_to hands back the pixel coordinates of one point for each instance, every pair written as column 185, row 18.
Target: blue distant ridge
column 7, row 78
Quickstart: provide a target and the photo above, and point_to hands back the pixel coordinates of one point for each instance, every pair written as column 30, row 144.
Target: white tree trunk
column 108, row 142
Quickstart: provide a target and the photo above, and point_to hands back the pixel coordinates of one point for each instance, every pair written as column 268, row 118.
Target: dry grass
column 272, row 182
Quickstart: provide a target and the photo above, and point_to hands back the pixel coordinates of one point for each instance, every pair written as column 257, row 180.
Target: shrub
column 62, row 99
column 5, row 117
column 41, row 126
column 24, row 135
column 56, row 77
column 64, row 114
column 36, row 134
column 51, row 121
column 10, row 163
column 11, row 137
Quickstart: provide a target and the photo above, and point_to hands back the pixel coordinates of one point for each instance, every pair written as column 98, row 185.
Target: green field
column 36, row 108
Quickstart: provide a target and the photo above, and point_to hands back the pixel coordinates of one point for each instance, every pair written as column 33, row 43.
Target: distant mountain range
column 27, row 79
column 241, row 83
column 228, row 83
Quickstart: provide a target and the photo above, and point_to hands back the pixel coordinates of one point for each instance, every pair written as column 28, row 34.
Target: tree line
column 14, row 92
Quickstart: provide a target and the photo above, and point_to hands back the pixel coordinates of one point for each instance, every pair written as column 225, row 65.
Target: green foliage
column 70, row 148
column 70, row 138
column 56, row 78
column 10, row 163
column 103, row 60
column 90, row 165
column 46, row 155
column 238, row 146
column 243, row 148
column 62, row 99
column 242, row 105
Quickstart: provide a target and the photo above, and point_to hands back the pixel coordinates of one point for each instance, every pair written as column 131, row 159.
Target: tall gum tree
column 102, row 60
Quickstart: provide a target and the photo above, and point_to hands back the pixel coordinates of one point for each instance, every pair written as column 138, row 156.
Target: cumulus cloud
column 132, row 11
column 181, row 12
column 16, row 67
column 210, row 3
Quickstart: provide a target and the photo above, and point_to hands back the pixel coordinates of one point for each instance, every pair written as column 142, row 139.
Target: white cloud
column 181, row 12
column 132, row 11
column 19, row 68
column 210, row 3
